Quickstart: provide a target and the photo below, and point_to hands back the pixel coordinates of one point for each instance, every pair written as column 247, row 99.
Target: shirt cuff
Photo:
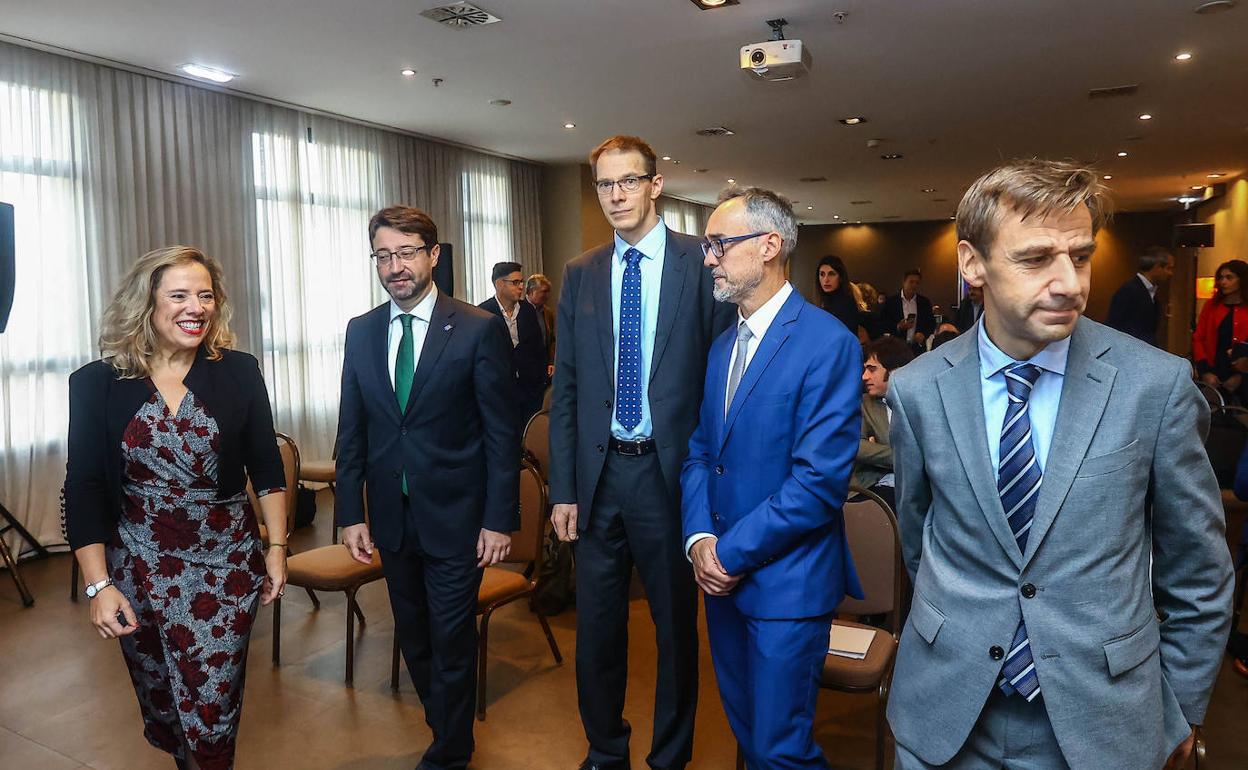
column 695, row 537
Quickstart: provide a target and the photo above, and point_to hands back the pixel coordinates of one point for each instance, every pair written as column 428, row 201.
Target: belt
column 632, row 447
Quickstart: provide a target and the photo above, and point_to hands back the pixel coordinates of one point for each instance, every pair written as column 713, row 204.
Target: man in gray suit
column 1055, row 500
column 636, row 319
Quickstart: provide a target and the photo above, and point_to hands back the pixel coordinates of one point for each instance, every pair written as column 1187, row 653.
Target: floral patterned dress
column 191, row 567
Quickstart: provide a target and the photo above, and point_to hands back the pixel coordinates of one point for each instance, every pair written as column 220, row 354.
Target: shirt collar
column 1147, row 283
column 652, row 243
column 992, row 360
column 423, row 309
column 760, row 320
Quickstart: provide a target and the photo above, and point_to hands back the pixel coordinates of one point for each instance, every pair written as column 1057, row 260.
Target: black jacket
column 1134, row 312
column 458, row 439
column 529, row 357
column 101, row 405
column 966, row 316
column 841, row 304
column 925, row 320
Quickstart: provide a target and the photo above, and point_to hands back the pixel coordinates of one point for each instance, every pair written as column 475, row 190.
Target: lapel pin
column 448, row 327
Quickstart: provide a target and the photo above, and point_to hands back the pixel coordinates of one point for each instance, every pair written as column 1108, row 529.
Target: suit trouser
column 1010, row 733
column 632, row 522
column 768, row 673
column 435, row 606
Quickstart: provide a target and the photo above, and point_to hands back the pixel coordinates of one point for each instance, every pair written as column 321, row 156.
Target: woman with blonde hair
column 164, row 431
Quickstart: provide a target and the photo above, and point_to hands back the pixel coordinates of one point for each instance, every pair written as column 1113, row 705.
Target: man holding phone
column 909, row 313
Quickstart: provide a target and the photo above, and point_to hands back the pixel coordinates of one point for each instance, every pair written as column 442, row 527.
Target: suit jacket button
column 714, row 516
column 996, row 653
column 601, row 449
column 607, row 404
column 1028, row 591
column 719, row 470
column 402, row 431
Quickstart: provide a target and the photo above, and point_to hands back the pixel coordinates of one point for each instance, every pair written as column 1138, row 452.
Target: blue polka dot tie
column 628, row 374
column 1018, row 483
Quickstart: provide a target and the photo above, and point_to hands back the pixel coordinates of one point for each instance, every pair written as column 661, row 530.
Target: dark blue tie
column 628, row 374
column 1018, row 483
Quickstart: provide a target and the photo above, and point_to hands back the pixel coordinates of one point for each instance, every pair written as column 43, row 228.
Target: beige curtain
column 684, row 216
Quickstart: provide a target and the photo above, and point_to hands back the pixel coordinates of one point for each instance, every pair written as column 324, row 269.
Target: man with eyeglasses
column 764, row 485
column 636, row 317
column 528, row 346
column 427, row 423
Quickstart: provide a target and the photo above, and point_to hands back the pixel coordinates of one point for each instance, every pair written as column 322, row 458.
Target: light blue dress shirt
column 653, row 247
column 1046, row 394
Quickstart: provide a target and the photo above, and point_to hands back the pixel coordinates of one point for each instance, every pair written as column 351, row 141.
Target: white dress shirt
column 420, row 329
column 759, row 322
column 511, row 321
column 910, row 307
column 888, row 479
column 1152, row 289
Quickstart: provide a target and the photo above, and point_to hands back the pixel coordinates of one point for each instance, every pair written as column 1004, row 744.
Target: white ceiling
column 953, row 85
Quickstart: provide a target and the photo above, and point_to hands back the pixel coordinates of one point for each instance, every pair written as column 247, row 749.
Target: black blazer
column 584, row 395
column 841, row 304
column 101, row 405
column 529, row 356
column 458, row 439
column 966, row 317
column 1134, row 312
column 925, row 321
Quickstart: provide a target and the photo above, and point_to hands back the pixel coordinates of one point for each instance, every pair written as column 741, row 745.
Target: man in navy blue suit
column 765, row 480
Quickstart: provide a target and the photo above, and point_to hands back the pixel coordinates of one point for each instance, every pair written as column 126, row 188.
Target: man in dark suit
column 537, row 292
column 427, row 422
column 909, row 314
column 528, row 346
column 636, row 317
column 1134, row 309
column 873, row 468
column 970, row 308
column 765, row 481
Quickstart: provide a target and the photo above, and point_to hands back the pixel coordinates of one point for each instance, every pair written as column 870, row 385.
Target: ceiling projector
column 776, row 59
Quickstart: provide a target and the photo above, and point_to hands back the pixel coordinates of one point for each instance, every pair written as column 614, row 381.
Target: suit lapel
column 771, row 343
column 1085, row 393
column 378, row 333
column 672, row 285
column 600, row 285
column 717, row 379
column 441, row 326
column 961, row 393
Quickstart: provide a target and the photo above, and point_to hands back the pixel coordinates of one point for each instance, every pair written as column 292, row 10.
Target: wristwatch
column 95, row 588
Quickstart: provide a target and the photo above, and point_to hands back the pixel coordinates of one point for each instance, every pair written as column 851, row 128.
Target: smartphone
column 910, row 316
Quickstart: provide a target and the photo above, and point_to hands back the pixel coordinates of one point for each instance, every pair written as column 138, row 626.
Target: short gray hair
column 767, row 210
column 535, row 280
column 1030, row 186
column 1154, row 256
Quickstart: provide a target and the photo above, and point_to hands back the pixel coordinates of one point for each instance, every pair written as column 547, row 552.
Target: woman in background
column 1220, row 342
column 833, row 292
column 872, row 317
column 163, row 431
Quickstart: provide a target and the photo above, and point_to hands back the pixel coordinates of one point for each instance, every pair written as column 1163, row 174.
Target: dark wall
column 880, row 254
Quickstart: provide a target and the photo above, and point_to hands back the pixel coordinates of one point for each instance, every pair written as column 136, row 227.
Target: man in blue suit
column 766, row 477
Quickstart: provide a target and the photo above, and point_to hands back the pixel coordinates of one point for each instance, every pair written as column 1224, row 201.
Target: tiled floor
column 66, row 700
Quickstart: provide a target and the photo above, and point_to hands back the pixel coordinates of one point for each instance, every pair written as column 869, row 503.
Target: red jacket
column 1205, row 338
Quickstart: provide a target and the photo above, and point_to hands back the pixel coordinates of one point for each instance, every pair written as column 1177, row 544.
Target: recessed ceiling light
column 1146, row 116
column 1215, row 175
column 1185, row 199
column 1108, row 176
column 500, row 102
column 1184, row 56
column 1214, row 6
column 1122, row 153
column 836, row 216
column 951, row 216
column 407, row 73
column 708, row 5
column 732, row 181
column 928, row 190
column 1198, row 187
column 810, row 208
column 675, row 163
column 207, row 73
column 667, row 157
column 891, row 156
column 569, row 126
column 701, row 170
column 853, row 120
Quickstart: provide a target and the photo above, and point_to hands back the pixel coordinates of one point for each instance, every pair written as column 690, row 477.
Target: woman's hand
column 105, row 607
column 275, row 577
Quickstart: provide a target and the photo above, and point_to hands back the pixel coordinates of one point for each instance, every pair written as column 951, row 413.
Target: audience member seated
column 943, row 335
column 873, row 468
column 1220, row 343
column 833, row 292
column 970, row 309
column 872, row 318
column 909, row 314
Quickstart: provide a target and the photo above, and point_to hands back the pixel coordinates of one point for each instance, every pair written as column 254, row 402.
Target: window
column 487, row 223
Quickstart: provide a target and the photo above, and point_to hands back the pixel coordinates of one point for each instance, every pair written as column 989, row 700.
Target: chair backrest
column 1227, row 437
column 537, row 442
column 526, row 544
column 289, row 452
column 1211, row 394
column 874, row 541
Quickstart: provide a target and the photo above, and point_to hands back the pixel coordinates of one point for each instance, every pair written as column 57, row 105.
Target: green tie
column 404, row 370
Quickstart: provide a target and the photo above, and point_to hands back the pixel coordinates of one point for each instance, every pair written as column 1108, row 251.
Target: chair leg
column 350, row 637
column 277, row 631
column 28, row 598
column 550, row 638
column 481, row 667
column 359, row 613
column 316, row 603
column 881, row 721
column 394, row 664
column 73, row 578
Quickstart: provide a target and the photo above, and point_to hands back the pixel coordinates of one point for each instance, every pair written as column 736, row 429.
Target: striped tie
column 1018, row 482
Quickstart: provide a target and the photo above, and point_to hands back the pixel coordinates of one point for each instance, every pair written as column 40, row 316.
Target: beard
column 733, row 290
column 414, row 288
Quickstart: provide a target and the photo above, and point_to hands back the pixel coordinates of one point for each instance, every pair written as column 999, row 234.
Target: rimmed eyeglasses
column 716, row 245
column 406, row 254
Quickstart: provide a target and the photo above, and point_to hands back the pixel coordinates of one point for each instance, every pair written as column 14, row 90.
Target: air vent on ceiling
column 893, row 216
column 1113, row 91
column 859, row 203
column 715, row 131
column 813, row 179
column 460, row 15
